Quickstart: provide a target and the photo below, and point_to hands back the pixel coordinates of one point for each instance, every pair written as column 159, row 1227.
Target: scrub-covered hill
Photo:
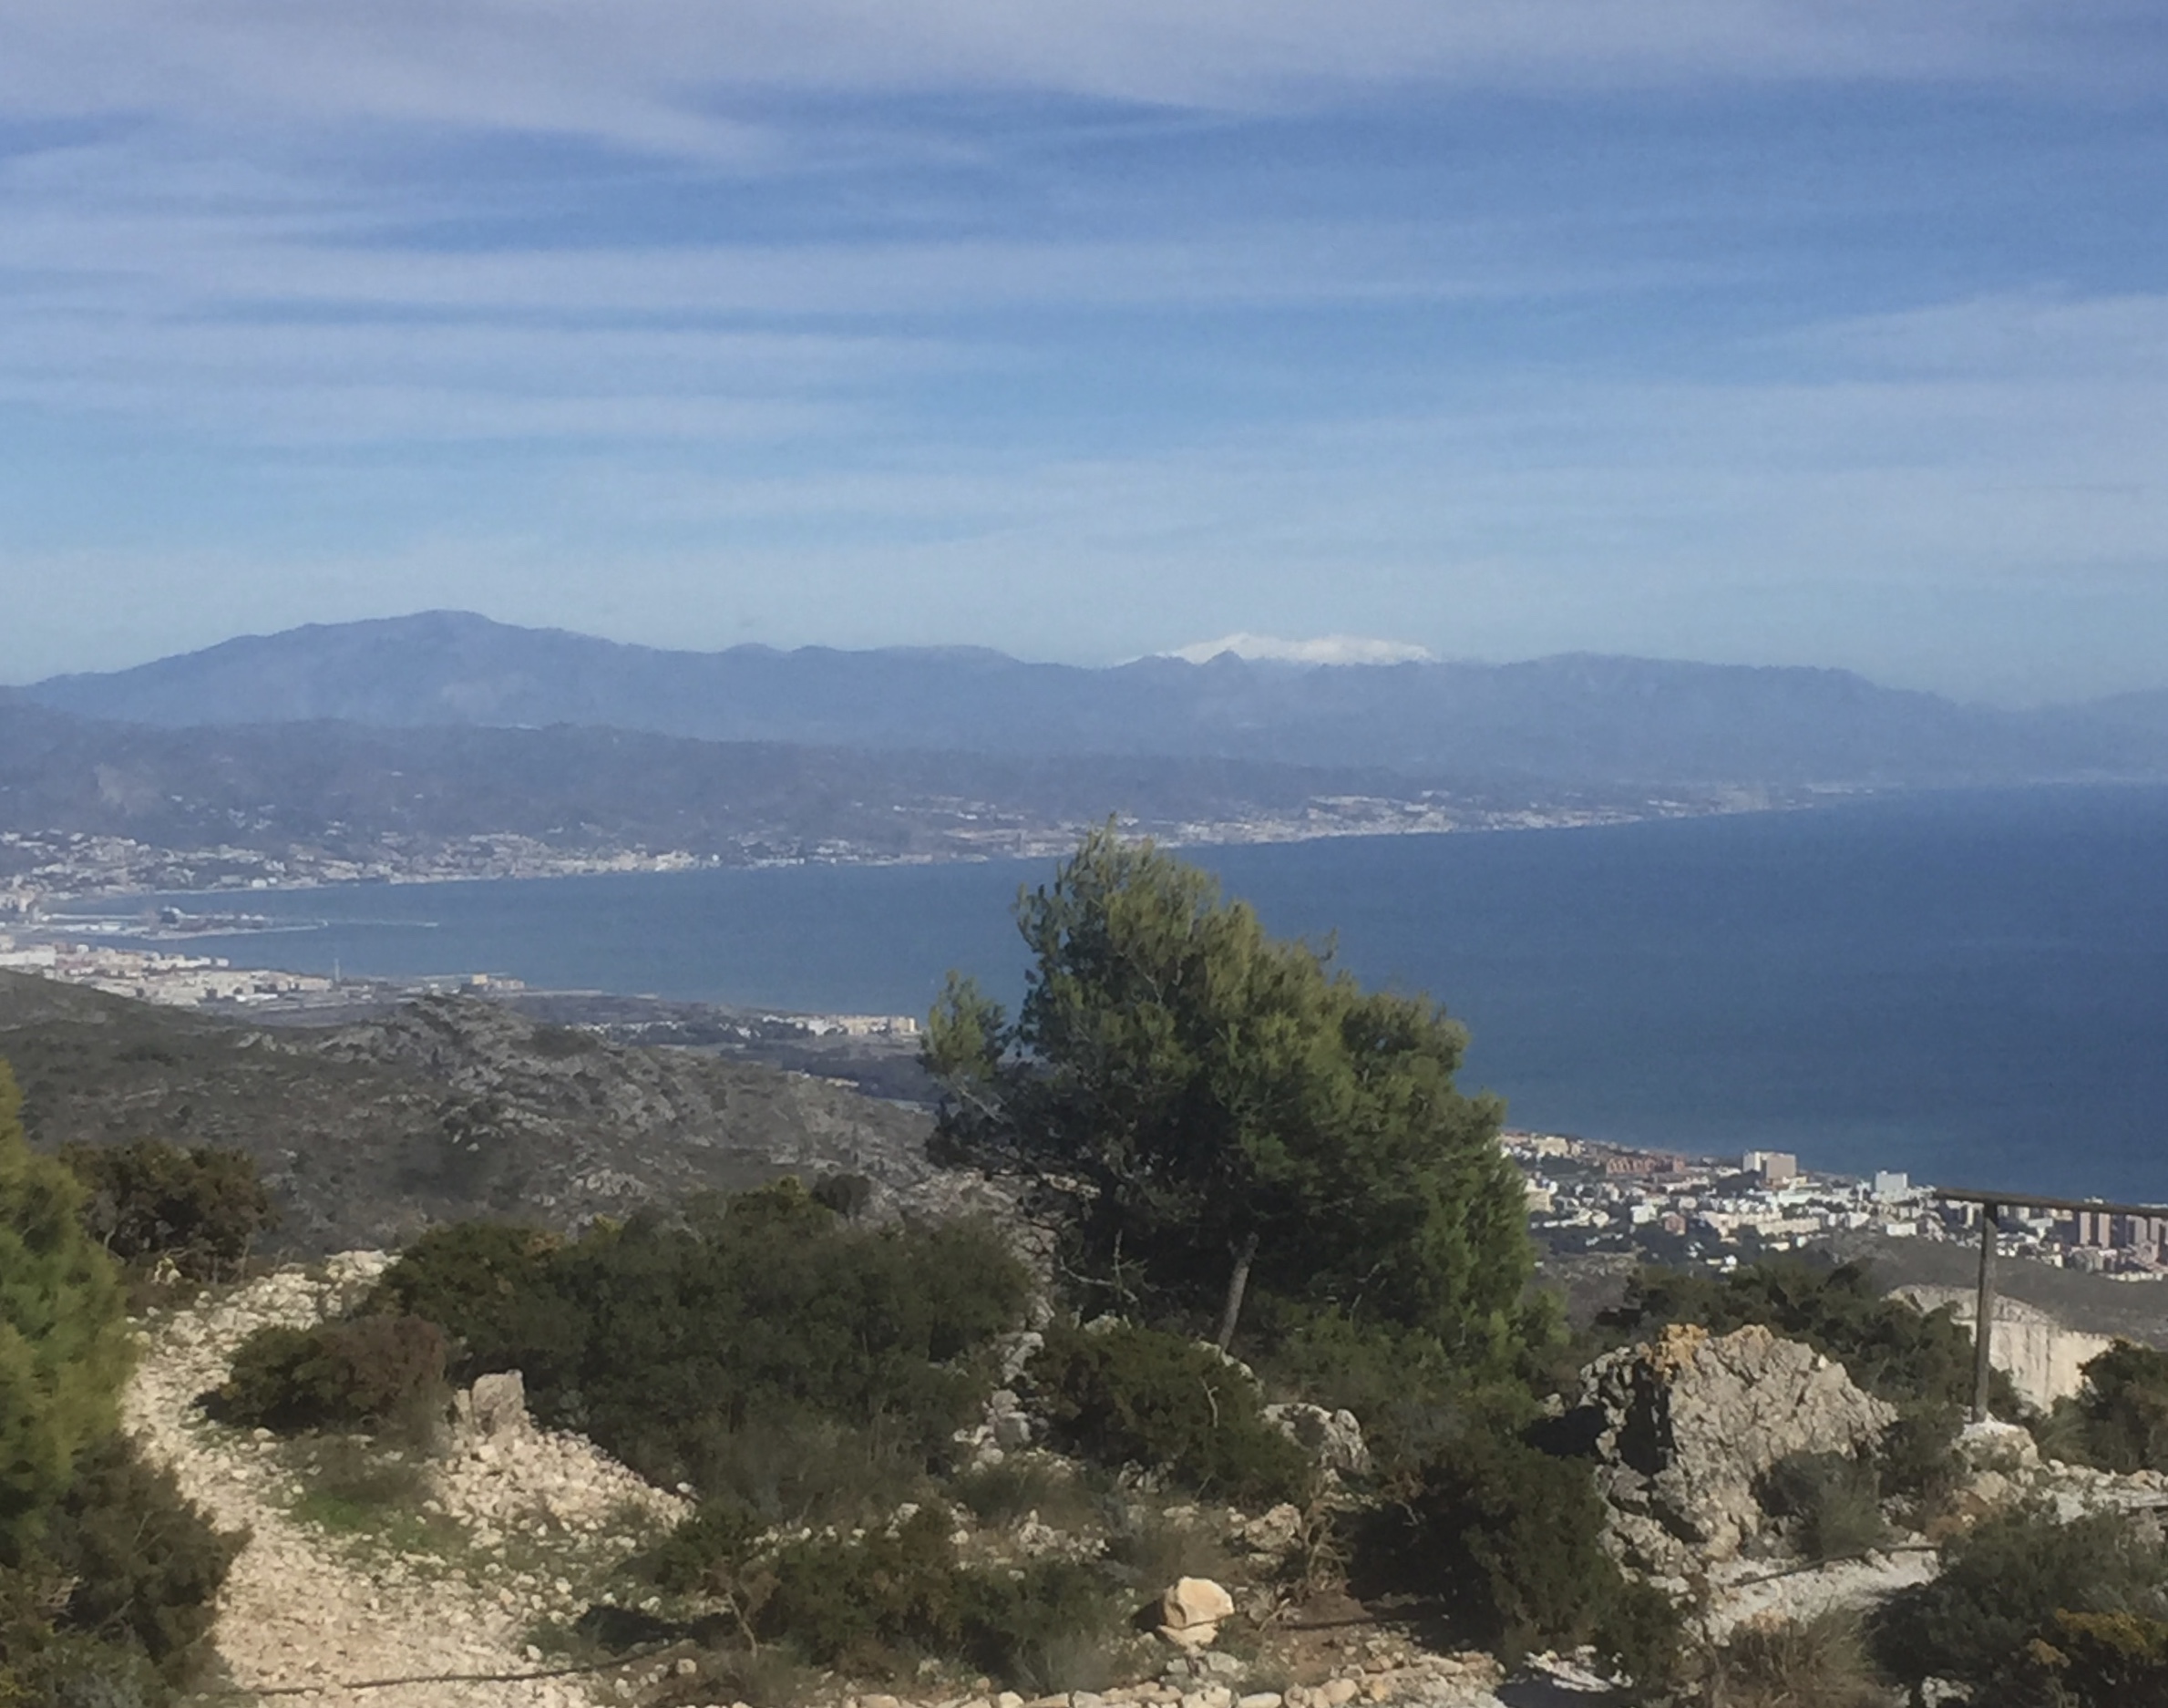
column 439, row 1110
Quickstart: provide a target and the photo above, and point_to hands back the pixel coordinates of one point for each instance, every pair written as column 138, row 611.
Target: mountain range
column 1578, row 720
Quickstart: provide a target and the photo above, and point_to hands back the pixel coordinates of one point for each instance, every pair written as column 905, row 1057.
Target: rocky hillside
column 439, row 1110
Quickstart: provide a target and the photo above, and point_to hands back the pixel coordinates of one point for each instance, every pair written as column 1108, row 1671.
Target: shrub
column 2118, row 1419
column 758, row 1346
column 1129, row 1396
column 374, row 1372
column 64, row 1341
column 1508, row 1536
column 1915, row 1462
column 487, row 1285
column 144, row 1565
column 2104, row 1660
column 1832, row 1503
column 1819, row 1663
column 893, row 1594
column 113, row 1604
column 200, row 1209
column 2000, row 1588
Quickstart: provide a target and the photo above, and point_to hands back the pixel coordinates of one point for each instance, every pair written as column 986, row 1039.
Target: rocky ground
column 456, row 1575
column 508, row 1538
column 444, row 1108
column 465, row 1592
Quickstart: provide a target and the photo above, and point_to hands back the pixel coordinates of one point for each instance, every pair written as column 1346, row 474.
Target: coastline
column 117, row 869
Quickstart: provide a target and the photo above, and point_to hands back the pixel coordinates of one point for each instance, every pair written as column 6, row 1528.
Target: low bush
column 116, row 1601
column 2000, row 1591
column 2103, row 1659
column 144, row 1565
column 1833, row 1504
column 2118, row 1419
column 893, row 1595
column 757, row 1346
column 487, row 1285
column 201, row 1208
column 1127, row 1395
column 1409, row 1393
column 1020, row 1485
column 1915, row 1462
column 1510, row 1538
column 1819, row 1663
column 378, row 1374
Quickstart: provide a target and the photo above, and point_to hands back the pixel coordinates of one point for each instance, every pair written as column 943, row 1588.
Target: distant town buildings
column 1584, row 1195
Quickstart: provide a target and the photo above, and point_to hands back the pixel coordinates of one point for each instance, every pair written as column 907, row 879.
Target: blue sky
column 1768, row 332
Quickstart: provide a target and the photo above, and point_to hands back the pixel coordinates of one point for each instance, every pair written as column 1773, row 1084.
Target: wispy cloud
column 661, row 74
column 1735, row 326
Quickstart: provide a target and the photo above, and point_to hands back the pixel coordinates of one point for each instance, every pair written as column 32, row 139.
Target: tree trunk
column 1237, row 1285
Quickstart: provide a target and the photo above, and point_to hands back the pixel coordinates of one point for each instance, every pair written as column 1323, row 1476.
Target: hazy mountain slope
column 1577, row 719
column 443, row 1108
column 340, row 786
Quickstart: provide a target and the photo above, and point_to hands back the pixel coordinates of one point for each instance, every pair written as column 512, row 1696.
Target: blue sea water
column 1970, row 987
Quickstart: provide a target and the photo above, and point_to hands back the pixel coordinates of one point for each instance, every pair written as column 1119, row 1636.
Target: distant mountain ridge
column 1573, row 720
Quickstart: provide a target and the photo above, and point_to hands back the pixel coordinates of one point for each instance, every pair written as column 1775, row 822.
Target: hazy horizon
column 1321, row 652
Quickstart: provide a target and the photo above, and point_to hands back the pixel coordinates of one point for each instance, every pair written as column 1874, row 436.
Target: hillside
column 442, row 1108
column 1577, row 720
column 316, row 795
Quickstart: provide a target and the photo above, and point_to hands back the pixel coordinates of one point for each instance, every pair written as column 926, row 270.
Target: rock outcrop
column 1685, row 1428
column 1332, row 1440
column 1191, row 1611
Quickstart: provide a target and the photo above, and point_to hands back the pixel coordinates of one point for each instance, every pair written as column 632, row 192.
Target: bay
column 1971, row 987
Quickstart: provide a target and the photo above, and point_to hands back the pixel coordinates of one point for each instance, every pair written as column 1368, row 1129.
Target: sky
column 1826, row 331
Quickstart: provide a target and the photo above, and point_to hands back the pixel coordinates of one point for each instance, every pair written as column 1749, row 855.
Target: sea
column 1972, row 987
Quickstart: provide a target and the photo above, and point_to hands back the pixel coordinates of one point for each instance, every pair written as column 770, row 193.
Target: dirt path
column 309, row 1612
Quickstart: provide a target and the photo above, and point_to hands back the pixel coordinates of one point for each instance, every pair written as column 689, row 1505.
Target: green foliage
column 64, row 1340
column 1886, row 1345
column 1834, row 1503
column 2103, row 1659
column 199, row 1208
column 1510, row 1538
column 2118, row 1419
column 760, row 1347
column 114, row 1602
column 487, row 1284
column 1211, row 1091
column 1119, row 1395
column 870, row 1604
column 383, row 1373
column 143, row 1565
column 1409, row 1393
column 1915, row 1462
column 2000, row 1590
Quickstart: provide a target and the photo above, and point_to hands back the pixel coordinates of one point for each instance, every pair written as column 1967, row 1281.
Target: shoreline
column 23, row 905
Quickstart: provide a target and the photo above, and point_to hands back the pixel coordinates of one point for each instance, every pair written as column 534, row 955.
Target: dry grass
column 1819, row 1663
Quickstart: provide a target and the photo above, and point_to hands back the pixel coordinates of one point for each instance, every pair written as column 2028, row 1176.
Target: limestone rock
column 1332, row 1440
column 497, row 1404
column 1191, row 1612
column 1684, row 1428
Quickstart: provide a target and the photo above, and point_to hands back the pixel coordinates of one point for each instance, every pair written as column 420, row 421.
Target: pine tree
column 1226, row 1109
column 65, row 1347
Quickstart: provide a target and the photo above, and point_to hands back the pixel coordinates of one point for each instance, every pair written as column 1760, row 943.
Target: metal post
column 1983, row 1322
